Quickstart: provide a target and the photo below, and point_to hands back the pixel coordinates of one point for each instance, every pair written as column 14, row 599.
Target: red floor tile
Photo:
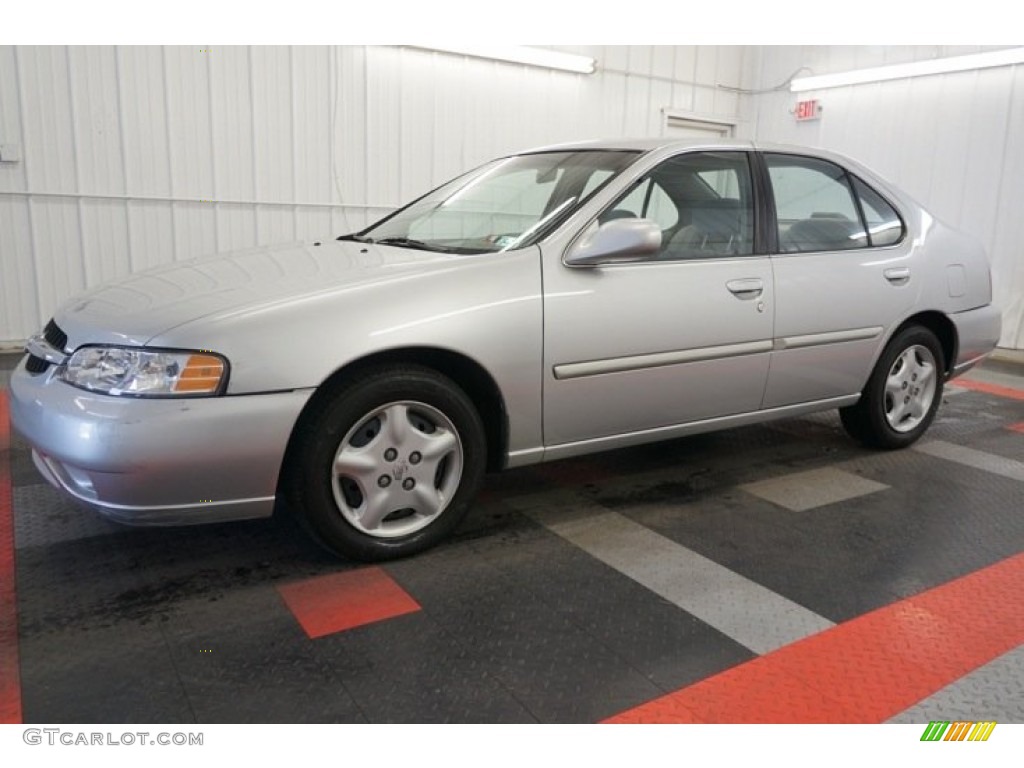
column 10, row 684
column 5, row 423
column 327, row 604
column 868, row 669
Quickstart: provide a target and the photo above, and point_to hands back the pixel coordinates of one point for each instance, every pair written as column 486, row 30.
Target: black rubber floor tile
column 947, row 519
column 513, row 482
column 156, row 597
column 489, row 520
column 147, row 569
column 934, row 523
column 1006, row 443
column 410, row 670
column 23, row 469
column 54, row 518
column 72, row 587
column 260, row 669
column 758, row 540
column 734, row 457
column 8, row 362
column 113, row 674
column 570, row 637
column 972, row 413
column 668, row 646
column 558, row 671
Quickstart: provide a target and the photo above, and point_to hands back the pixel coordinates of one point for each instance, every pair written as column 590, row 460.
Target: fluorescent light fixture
column 521, row 54
column 1003, row 58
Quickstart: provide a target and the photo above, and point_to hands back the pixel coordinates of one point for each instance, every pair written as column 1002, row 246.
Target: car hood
column 134, row 310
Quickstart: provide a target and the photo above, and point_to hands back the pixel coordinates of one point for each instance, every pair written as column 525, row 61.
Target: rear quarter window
column 885, row 227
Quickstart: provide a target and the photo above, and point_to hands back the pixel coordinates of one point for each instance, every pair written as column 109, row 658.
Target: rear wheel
column 387, row 465
column 901, row 397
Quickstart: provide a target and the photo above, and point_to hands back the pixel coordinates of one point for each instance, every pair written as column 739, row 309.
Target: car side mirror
column 616, row 242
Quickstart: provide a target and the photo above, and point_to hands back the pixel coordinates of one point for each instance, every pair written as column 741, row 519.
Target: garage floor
column 775, row 573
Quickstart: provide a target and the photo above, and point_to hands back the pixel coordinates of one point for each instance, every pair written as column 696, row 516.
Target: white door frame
column 671, row 117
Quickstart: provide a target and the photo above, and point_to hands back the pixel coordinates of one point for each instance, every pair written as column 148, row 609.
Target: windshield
column 506, row 204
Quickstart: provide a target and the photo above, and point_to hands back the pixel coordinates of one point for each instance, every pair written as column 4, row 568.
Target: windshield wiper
column 408, row 242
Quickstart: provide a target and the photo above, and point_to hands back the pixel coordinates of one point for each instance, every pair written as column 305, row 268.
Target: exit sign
column 807, row 110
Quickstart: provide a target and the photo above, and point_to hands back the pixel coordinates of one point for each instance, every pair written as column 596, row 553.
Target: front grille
column 36, row 364
column 55, row 337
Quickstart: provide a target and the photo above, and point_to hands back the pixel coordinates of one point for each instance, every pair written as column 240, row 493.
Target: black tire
column 393, row 435
column 893, row 413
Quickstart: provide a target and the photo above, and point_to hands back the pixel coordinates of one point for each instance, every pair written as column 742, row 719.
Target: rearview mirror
column 617, row 242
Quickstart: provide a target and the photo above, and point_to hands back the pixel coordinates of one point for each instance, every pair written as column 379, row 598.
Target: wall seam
column 170, row 150
column 124, row 155
column 28, row 204
column 254, row 143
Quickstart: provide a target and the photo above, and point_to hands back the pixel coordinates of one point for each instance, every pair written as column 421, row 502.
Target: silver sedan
column 547, row 304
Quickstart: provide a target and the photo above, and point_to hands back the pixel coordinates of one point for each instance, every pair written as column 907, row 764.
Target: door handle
column 747, row 288
column 898, row 275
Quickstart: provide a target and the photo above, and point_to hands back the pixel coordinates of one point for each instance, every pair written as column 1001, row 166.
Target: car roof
column 643, row 145
column 670, row 144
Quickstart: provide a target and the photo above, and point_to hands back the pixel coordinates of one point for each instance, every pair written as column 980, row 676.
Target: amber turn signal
column 202, row 373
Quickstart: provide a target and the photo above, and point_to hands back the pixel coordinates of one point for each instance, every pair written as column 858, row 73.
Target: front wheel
column 903, row 393
column 387, row 465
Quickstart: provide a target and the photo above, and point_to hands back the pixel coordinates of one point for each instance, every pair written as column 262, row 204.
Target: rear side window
column 820, row 207
column 814, row 205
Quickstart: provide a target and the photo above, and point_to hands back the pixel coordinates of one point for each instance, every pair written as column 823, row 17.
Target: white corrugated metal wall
column 136, row 156
column 955, row 142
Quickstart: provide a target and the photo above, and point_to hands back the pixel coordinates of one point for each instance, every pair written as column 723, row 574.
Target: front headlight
column 146, row 373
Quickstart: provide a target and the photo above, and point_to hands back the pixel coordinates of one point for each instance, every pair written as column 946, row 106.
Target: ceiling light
column 985, row 60
column 521, row 54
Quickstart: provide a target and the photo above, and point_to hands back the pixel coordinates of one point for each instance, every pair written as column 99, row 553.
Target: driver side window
column 702, row 201
column 648, row 200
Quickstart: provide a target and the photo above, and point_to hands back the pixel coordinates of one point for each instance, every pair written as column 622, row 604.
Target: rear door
column 843, row 276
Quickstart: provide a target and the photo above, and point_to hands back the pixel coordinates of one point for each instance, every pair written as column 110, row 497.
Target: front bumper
column 157, row 462
column 977, row 332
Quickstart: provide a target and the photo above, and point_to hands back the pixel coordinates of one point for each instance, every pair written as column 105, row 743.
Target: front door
column 680, row 337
